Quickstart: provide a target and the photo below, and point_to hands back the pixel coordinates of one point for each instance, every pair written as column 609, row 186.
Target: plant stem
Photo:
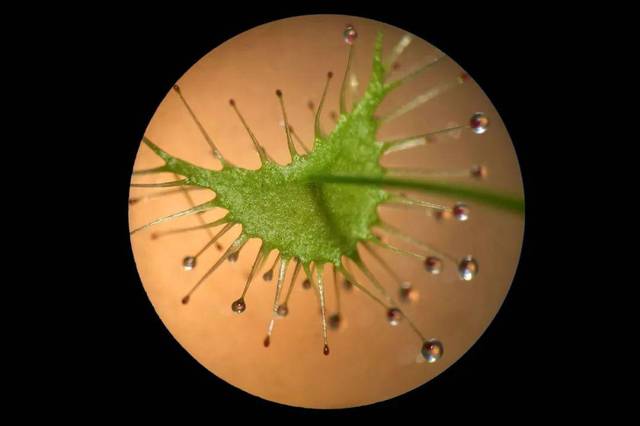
column 502, row 201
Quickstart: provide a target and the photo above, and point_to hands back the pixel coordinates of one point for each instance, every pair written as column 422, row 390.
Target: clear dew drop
column 432, row 350
column 188, row 263
column 394, row 316
column 268, row 276
column 433, row 265
column 349, row 34
column 238, row 306
column 461, row 212
column 334, row 321
column 233, row 257
column 468, row 268
column 282, row 310
column 479, row 123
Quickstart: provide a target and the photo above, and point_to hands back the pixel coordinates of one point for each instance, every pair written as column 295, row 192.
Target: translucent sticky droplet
column 188, row 263
column 479, row 123
column 238, row 306
column 349, row 34
column 468, row 268
column 461, row 212
column 282, row 310
column 432, row 350
column 394, row 316
column 433, row 265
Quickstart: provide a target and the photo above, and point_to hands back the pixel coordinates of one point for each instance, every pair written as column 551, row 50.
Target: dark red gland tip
column 232, row 102
column 330, row 74
column 185, row 300
column 464, row 76
column 476, row 122
column 326, row 350
column 279, row 93
column 176, row 88
column 267, row 342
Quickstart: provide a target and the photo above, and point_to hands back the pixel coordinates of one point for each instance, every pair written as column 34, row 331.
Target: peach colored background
column 370, row 361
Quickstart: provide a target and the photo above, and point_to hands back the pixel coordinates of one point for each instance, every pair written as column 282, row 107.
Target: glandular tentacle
column 318, row 131
column 283, row 308
column 423, row 98
column 214, row 149
column 397, row 50
column 287, row 128
column 205, row 225
column 234, row 247
column 201, row 207
column 164, row 193
column 259, row 149
column 257, row 263
column 350, row 36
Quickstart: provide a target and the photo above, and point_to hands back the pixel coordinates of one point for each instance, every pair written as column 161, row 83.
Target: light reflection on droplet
column 461, row 212
column 394, row 316
column 238, row 306
column 282, row 310
column 432, row 350
column 479, row 123
column 349, row 34
column 433, row 265
column 468, row 268
column 188, row 263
